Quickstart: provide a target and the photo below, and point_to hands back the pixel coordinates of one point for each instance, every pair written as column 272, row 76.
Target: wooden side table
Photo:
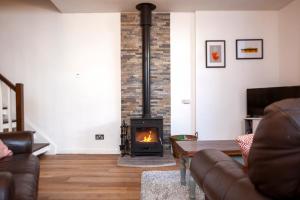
column 187, row 149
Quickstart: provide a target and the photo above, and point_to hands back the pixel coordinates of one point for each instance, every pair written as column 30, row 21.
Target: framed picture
column 215, row 54
column 249, row 49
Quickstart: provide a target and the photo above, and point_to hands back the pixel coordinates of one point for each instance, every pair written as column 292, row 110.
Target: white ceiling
column 82, row 6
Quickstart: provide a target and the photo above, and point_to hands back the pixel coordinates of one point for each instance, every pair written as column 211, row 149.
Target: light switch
column 186, row 101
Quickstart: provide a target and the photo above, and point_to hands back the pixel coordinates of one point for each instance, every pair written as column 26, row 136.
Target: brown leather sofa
column 274, row 161
column 19, row 174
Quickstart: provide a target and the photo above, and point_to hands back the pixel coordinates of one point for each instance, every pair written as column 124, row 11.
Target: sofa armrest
column 18, row 142
column 6, row 186
column 211, row 166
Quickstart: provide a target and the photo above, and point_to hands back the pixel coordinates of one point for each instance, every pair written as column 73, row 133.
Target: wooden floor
column 85, row 177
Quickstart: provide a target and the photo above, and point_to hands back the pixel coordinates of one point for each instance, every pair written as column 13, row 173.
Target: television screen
column 259, row 98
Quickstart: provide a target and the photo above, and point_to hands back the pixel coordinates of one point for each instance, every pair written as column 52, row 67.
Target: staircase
column 12, row 112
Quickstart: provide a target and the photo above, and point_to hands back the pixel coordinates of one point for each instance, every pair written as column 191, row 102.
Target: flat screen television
column 259, row 98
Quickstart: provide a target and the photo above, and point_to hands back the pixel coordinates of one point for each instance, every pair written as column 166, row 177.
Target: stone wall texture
column 131, row 68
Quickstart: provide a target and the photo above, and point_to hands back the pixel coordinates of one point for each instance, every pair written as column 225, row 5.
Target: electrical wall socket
column 99, row 137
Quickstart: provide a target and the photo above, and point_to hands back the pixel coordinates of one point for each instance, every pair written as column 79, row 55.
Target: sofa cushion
column 274, row 156
column 243, row 189
column 245, row 142
column 25, row 186
column 21, row 163
column 6, row 186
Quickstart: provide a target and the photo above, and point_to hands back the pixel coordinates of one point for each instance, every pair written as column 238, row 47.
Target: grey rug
column 165, row 185
column 147, row 161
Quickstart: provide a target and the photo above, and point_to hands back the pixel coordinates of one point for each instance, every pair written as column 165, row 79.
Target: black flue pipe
column 146, row 22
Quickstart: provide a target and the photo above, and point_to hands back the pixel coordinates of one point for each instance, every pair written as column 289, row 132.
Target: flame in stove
column 147, row 138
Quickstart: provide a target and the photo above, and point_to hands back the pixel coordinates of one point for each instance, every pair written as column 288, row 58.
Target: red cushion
column 4, row 151
column 245, row 142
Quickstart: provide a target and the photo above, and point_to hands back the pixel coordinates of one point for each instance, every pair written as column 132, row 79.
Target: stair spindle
column 9, row 110
column 1, row 108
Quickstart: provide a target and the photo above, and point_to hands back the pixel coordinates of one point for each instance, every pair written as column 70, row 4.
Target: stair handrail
column 7, row 82
column 19, row 90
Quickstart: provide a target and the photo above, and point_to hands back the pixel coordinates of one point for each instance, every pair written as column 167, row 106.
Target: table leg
column 184, row 166
column 182, row 171
column 192, row 188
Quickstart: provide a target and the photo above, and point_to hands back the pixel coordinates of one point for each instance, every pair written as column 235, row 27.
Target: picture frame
column 249, row 49
column 215, row 53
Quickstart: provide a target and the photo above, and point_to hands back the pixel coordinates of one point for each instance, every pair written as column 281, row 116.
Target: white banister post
column 9, row 110
column 1, row 108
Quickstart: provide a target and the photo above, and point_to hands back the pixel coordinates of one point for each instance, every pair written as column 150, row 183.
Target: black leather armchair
column 19, row 173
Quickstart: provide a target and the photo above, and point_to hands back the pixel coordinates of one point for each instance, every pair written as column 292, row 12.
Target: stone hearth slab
column 147, row 161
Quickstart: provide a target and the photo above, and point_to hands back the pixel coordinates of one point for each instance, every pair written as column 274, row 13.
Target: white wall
column 182, row 73
column 289, row 37
column 221, row 93
column 70, row 66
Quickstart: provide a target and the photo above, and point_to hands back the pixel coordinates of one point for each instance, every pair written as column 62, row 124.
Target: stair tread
column 33, row 132
column 38, row 146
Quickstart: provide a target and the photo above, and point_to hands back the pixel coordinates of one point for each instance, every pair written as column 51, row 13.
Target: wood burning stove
column 146, row 132
column 146, row 136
